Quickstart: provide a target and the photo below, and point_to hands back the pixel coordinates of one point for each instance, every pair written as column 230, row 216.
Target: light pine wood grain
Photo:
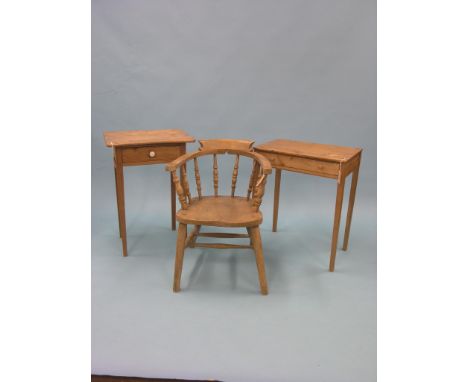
column 233, row 144
column 328, row 161
column 117, row 198
column 173, row 204
column 257, row 244
column 154, row 154
column 352, row 197
column 263, row 162
column 259, row 191
column 303, row 165
column 185, row 183
column 145, row 137
column 215, row 174
column 143, row 147
column 119, row 182
column 336, row 221
column 276, row 199
column 179, row 259
column 235, row 172
column 197, row 177
column 179, row 190
column 189, row 242
column 253, row 179
column 221, row 246
column 310, row 150
column 220, row 210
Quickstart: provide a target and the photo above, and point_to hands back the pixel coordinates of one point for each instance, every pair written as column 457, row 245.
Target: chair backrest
column 261, row 167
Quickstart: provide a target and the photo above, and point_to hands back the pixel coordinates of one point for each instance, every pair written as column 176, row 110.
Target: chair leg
column 194, row 237
column 257, row 244
column 179, row 260
column 250, row 235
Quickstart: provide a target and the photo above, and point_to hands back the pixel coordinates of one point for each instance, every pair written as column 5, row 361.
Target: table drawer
column 305, row 165
column 151, row 154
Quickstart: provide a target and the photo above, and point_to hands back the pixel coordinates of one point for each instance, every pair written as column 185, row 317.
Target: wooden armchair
column 217, row 210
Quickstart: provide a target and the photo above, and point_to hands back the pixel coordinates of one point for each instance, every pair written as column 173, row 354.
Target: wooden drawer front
column 305, row 165
column 151, row 154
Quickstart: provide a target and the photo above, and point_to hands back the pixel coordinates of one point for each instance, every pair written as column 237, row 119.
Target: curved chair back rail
column 261, row 167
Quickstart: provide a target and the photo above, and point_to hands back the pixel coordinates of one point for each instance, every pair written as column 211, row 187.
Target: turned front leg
column 179, row 260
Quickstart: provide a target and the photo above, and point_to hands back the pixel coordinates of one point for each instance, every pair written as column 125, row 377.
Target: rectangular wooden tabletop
column 330, row 153
column 145, row 137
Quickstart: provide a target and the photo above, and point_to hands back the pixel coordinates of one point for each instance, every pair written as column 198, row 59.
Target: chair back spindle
column 253, row 179
column 179, row 190
column 259, row 192
column 197, row 177
column 215, row 174
column 234, row 175
column 185, row 183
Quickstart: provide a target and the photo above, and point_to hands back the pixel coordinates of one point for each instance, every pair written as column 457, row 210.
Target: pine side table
column 143, row 147
column 335, row 162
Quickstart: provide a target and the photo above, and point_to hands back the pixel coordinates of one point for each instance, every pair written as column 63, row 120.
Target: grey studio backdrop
column 255, row 70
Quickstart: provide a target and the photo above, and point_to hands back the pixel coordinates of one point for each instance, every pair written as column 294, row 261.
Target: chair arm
column 176, row 163
column 264, row 162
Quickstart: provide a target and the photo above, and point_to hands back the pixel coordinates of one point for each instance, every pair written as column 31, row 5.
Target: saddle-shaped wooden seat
column 221, row 211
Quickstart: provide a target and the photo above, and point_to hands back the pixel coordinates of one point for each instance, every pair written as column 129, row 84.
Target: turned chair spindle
column 259, row 191
column 179, row 190
column 185, row 183
column 253, row 179
column 235, row 171
column 215, row 174
column 197, row 177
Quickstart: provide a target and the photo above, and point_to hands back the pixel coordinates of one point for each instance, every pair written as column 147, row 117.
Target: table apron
column 303, row 165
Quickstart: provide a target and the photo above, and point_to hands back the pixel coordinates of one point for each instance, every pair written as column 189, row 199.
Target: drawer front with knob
column 132, row 156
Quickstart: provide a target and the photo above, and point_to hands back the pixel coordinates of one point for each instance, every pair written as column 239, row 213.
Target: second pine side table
column 335, row 162
column 143, row 147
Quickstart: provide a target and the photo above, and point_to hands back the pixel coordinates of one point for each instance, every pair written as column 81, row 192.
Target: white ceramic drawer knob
column 152, row 154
